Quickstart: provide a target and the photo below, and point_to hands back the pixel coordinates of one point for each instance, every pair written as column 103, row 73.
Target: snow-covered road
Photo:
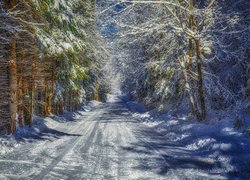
column 105, row 143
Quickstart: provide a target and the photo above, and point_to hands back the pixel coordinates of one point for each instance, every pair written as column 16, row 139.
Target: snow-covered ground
column 217, row 139
column 22, row 136
column 121, row 140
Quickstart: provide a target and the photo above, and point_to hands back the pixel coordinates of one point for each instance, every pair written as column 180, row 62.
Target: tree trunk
column 11, row 3
column 32, row 95
column 76, row 100
column 50, row 98
column 12, row 84
column 189, row 90
column 64, row 106
column 53, row 108
column 69, row 102
column 198, row 105
column 45, row 97
column 73, row 101
column 190, row 80
column 200, row 81
column 61, row 107
column 190, row 70
column 40, row 102
column 20, row 103
column 26, row 101
column 47, row 104
column 96, row 92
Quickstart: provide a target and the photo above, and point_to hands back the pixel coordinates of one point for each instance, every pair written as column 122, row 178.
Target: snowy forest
column 50, row 61
column 124, row 89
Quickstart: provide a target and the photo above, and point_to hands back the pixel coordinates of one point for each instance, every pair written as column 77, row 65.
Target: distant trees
column 54, row 57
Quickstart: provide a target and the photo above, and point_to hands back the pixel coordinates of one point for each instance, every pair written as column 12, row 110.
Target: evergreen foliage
column 58, row 56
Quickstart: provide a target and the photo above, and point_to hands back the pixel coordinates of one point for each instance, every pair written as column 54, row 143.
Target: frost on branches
column 177, row 53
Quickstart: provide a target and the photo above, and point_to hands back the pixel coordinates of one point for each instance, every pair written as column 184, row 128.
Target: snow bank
column 215, row 138
column 210, row 135
column 136, row 107
column 8, row 143
column 90, row 105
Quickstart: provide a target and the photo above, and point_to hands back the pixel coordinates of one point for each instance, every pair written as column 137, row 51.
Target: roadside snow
column 195, row 135
column 90, row 105
column 215, row 138
column 200, row 143
column 136, row 107
column 9, row 142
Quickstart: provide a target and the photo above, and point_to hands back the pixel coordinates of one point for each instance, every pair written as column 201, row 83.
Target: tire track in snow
column 120, row 158
column 100, row 151
column 106, row 162
column 70, row 146
column 121, row 171
column 98, row 156
column 21, row 162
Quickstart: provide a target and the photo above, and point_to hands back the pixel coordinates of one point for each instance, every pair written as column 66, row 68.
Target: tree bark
column 47, row 104
column 11, row 3
column 40, row 102
column 32, row 95
column 96, row 92
column 69, row 100
column 12, row 84
column 53, row 108
column 20, row 103
column 198, row 106
column 188, row 88
column 200, row 81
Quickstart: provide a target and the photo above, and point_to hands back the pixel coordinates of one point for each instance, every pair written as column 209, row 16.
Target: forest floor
column 110, row 141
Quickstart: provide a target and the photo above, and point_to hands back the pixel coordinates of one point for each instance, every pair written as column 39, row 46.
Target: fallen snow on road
column 114, row 141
